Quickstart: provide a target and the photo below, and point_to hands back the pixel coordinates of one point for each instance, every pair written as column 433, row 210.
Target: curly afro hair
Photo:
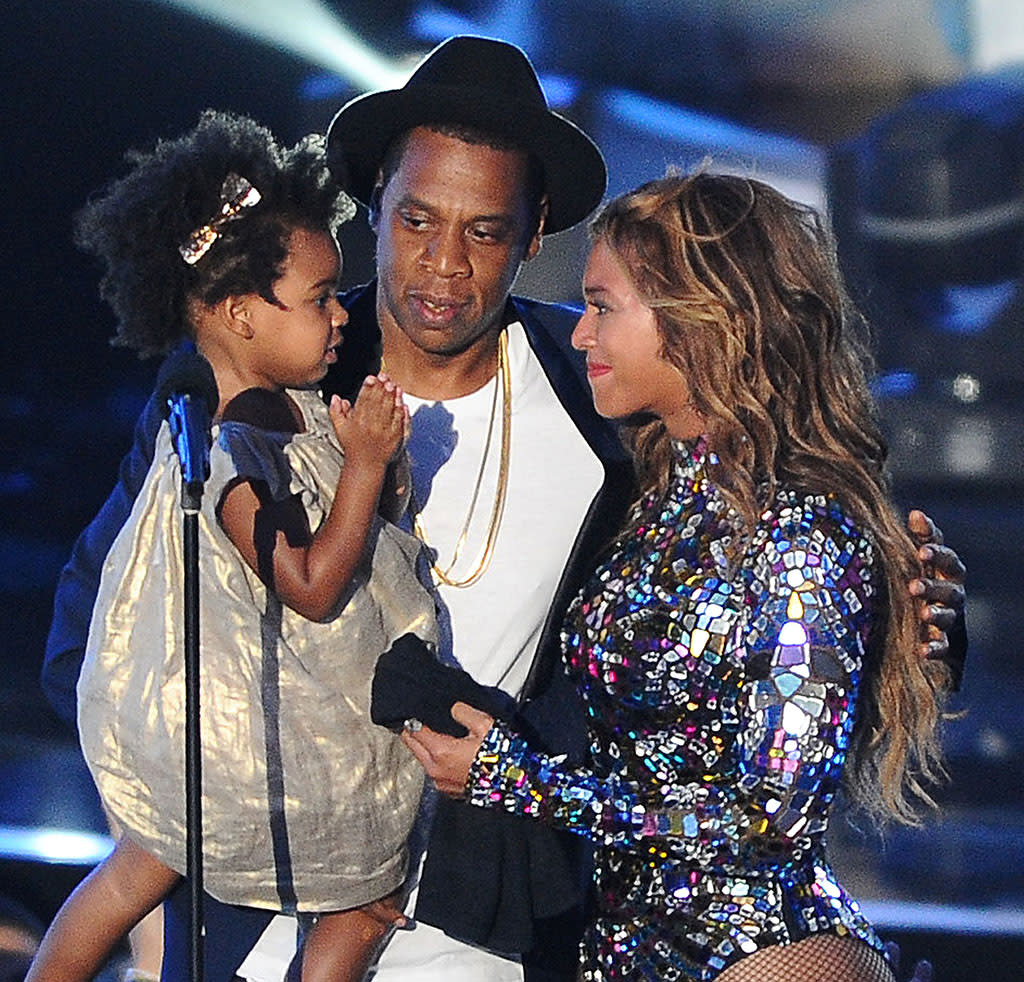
column 137, row 224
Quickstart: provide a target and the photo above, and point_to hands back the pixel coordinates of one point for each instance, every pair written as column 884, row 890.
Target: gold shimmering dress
column 720, row 700
column 306, row 803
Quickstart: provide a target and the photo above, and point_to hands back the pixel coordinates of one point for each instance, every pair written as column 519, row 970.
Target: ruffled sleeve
column 258, row 455
column 305, row 464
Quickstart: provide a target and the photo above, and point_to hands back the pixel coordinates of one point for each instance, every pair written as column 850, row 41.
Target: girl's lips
column 595, row 369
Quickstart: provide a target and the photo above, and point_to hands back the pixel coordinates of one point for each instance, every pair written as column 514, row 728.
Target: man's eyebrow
column 411, row 201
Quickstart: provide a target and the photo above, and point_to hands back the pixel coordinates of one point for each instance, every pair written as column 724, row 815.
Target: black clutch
column 410, row 683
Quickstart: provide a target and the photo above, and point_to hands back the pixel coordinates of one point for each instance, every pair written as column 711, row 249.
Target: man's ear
column 536, row 239
column 373, row 205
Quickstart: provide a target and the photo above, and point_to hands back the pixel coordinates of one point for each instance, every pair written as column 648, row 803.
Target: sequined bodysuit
column 720, row 705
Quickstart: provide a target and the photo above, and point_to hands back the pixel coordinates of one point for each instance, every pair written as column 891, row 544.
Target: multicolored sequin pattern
column 720, row 703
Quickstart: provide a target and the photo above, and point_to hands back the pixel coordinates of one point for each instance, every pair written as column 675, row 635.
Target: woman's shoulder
column 815, row 523
column 794, row 508
column 810, row 554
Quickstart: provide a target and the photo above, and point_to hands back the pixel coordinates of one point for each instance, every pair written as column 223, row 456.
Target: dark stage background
column 923, row 172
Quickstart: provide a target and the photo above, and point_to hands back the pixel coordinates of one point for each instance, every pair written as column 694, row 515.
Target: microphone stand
column 191, row 499
column 193, row 756
column 188, row 387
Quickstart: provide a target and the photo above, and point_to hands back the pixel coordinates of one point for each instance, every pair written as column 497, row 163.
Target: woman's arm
column 310, row 571
column 799, row 642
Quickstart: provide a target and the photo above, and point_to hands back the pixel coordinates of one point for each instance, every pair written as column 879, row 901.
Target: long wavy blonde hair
column 751, row 308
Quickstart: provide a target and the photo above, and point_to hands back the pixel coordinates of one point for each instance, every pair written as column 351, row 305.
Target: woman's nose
column 582, row 333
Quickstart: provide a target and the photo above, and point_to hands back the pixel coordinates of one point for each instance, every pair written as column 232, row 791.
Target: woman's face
column 618, row 332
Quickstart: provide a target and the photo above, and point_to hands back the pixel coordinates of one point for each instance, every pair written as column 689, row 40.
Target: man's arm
column 80, row 579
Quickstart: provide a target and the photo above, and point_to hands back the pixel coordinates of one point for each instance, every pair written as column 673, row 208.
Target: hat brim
column 575, row 176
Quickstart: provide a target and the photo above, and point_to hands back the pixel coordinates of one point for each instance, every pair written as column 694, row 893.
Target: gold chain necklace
column 483, row 559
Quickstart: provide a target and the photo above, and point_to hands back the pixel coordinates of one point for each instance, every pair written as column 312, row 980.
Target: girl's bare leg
column 104, row 907
column 146, row 939
column 147, row 943
column 342, row 944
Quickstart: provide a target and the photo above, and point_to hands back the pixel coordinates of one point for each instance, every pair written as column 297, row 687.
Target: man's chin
column 443, row 342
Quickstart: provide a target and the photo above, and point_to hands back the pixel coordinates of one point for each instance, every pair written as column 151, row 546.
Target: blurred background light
column 50, row 845
column 305, row 28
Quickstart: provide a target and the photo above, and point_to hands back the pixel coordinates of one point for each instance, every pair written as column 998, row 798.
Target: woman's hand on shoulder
column 447, row 759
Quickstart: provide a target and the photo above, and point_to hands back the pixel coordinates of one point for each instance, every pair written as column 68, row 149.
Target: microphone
column 186, row 390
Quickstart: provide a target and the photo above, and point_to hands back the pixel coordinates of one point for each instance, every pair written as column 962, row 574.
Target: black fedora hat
column 479, row 82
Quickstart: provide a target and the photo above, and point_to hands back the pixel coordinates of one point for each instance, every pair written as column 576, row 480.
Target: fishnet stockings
column 819, row 958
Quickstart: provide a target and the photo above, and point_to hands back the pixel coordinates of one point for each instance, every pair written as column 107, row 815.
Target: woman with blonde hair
column 747, row 645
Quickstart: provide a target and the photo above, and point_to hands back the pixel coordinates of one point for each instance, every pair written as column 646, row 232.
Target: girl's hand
column 374, row 429
column 447, row 759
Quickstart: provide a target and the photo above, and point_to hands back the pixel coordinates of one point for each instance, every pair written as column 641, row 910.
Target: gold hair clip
column 346, row 208
column 236, row 194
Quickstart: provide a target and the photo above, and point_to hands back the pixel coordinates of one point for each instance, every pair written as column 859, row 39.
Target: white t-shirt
column 496, row 622
column 553, row 477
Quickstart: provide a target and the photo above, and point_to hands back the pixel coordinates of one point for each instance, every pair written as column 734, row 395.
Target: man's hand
column 940, row 589
column 923, row 968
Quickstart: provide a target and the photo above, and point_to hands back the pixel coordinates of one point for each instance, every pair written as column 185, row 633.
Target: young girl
column 226, row 239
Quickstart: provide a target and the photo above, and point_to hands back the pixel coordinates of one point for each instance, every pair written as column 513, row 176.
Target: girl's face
column 295, row 341
column 625, row 367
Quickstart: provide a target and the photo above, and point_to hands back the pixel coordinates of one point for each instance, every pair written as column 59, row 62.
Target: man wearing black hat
column 517, row 483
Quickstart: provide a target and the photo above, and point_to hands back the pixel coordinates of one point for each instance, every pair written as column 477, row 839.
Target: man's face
column 452, row 230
